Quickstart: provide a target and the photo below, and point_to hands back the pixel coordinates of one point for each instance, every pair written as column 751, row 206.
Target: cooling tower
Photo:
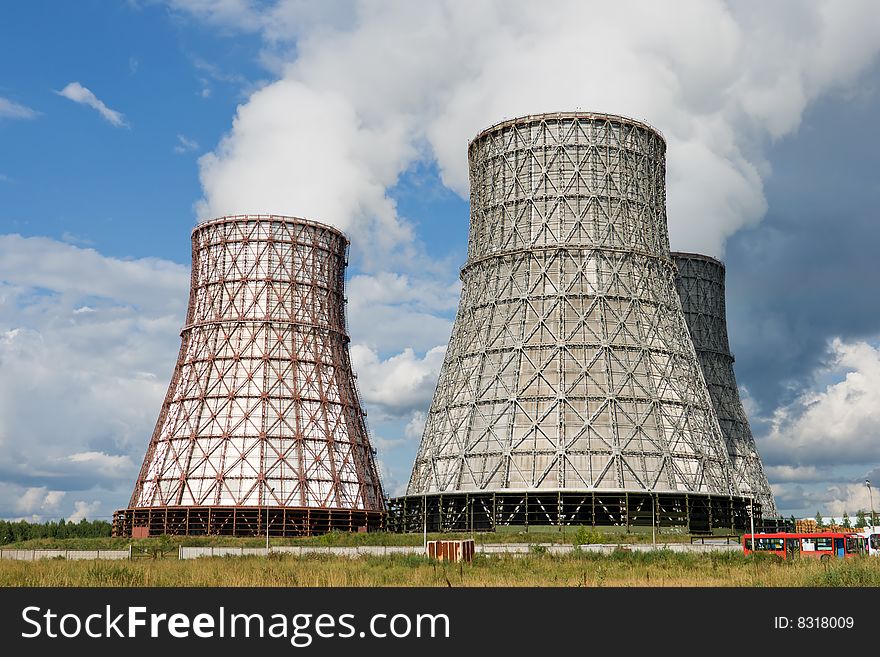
column 261, row 429
column 700, row 285
column 570, row 392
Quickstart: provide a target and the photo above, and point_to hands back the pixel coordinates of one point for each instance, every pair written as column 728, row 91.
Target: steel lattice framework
column 570, row 366
column 262, row 414
column 700, row 285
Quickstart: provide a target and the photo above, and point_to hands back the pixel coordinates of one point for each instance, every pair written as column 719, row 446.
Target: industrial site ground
column 538, row 568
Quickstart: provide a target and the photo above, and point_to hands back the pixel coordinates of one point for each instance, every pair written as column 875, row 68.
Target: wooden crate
column 453, row 551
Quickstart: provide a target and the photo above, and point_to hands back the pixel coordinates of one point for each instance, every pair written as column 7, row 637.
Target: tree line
column 21, row 530
column 862, row 520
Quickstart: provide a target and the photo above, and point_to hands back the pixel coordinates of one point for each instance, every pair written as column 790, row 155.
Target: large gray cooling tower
column 570, row 391
column 700, row 285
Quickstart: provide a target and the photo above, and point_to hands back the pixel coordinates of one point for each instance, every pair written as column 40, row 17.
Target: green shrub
column 588, row 536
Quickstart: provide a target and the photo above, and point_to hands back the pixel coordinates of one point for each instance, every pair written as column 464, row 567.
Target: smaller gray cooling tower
column 700, row 284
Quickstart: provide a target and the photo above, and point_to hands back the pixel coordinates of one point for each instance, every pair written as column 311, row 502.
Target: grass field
column 661, row 568
column 563, row 535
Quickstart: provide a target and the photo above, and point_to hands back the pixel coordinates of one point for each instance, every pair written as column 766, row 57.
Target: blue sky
column 143, row 62
column 358, row 114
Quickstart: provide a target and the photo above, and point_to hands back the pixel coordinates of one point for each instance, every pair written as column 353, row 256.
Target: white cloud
column 106, row 464
column 798, row 473
column 366, row 92
column 416, row 425
column 209, row 72
column 836, row 422
column 832, row 499
column 319, row 167
column 819, row 448
column 73, row 238
column 412, row 431
column 750, row 404
column 84, row 510
column 39, row 499
column 185, row 145
column 384, row 445
column 241, row 14
column 391, row 483
column 849, row 498
column 399, row 385
column 39, row 262
column 80, row 94
column 80, row 391
column 11, row 110
column 53, row 499
column 390, row 310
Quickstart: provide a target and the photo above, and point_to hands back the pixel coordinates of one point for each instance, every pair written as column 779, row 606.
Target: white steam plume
column 373, row 87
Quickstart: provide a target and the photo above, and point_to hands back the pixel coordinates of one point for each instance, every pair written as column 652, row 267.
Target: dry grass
column 562, row 535
column 584, row 569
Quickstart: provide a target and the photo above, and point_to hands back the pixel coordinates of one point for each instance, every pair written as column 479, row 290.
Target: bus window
column 854, row 545
column 771, row 544
column 808, row 545
column 823, row 544
column 875, row 541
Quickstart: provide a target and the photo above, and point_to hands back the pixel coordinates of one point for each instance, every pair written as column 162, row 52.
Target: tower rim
column 290, row 219
column 687, row 255
column 576, row 114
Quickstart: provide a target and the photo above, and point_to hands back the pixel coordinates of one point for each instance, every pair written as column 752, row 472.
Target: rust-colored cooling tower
column 261, row 428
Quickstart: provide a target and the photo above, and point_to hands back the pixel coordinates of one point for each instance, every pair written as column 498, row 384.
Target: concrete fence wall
column 373, row 550
column 500, row 548
column 34, row 555
column 365, row 550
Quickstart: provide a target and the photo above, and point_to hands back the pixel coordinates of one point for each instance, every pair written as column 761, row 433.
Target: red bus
column 822, row 545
